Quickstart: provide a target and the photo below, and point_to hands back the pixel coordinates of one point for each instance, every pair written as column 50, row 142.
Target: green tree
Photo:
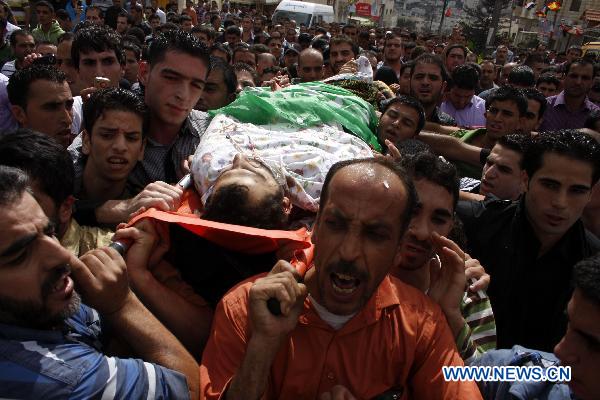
column 478, row 22
column 407, row 23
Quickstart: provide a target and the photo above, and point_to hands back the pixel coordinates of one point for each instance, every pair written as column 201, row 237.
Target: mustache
column 348, row 268
column 421, row 243
column 56, row 275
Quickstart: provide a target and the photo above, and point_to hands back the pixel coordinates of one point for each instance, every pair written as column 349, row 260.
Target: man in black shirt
column 530, row 246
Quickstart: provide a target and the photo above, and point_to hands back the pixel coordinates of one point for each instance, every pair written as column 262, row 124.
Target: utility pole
column 495, row 21
column 443, row 15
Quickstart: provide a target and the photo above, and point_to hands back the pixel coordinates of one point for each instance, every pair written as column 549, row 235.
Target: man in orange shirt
column 349, row 330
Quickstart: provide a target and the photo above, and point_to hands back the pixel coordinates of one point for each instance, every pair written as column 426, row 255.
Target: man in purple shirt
column 462, row 104
column 570, row 108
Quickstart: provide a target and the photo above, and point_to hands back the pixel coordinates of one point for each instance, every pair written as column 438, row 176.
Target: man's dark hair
column 83, row 25
column 242, row 66
column 456, row 46
column 408, row 101
column 305, row 38
column 62, row 14
column 65, row 37
column 216, row 64
column 592, row 119
column 138, row 8
column 348, row 26
column 127, row 16
column 582, row 62
column 44, row 3
column 92, row 8
column 341, row 39
column 184, row 17
column 230, row 205
column 16, row 34
column 209, row 31
column 409, row 65
column 134, row 47
column 223, row 48
column 243, row 48
column 409, row 45
column 322, row 45
column 426, row 165
column 44, row 42
column 386, row 75
column 13, row 183
column 173, row 18
column 517, row 143
column 417, row 51
column 111, row 99
column 521, row 75
column 396, row 168
column 465, row 77
column 548, row 78
column 270, row 39
column 430, row 59
column 46, row 162
column 534, row 94
column 533, row 58
column 168, row 26
column 552, row 70
column 233, row 30
column 566, row 142
column 508, row 93
column 586, row 278
column 96, row 39
column 20, row 82
column 137, row 33
column 214, row 17
column 178, row 41
column 487, row 60
column 259, row 48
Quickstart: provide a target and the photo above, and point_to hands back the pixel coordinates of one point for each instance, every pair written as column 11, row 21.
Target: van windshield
column 300, row 18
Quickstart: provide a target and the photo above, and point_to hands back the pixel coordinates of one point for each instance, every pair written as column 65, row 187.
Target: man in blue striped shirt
column 50, row 343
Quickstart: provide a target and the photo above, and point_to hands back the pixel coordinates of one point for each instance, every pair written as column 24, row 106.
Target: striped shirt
column 161, row 162
column 38, row 364
column 478, row 335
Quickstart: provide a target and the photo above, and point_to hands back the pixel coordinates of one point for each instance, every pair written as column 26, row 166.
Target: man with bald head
column 264, row 61
column 310, row 65
column 347, row 313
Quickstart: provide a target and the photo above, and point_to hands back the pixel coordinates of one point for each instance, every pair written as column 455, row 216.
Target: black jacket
column 529, row 295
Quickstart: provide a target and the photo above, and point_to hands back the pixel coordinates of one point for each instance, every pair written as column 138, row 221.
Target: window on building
column 575, row 5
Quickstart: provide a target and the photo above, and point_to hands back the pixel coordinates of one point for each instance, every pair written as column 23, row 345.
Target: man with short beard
column 341, row 51
column 570, row 108
column 428, row 79
column 50, row 340
column 488, row 74
column 392, row 53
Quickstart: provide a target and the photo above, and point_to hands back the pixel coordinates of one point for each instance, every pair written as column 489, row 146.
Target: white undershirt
column 333, row 320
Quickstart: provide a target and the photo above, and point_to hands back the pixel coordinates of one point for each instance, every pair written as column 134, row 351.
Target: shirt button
column 330, row 376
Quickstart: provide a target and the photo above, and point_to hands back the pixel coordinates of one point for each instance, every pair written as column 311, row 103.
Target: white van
column 303, row 13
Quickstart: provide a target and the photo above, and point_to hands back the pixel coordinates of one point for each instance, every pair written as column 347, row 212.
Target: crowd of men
column 464, row 233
